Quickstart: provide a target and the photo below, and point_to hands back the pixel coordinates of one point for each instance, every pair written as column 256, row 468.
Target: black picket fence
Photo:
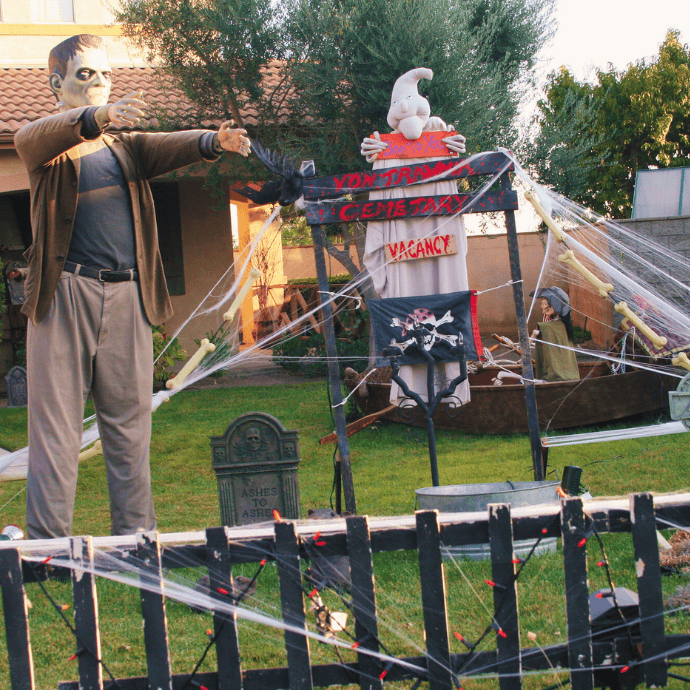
column 630, row 653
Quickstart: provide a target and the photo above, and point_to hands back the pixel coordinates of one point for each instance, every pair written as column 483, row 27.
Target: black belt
column 105, row 275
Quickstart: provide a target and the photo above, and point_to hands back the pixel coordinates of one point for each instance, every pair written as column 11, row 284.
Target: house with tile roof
column 196, row 231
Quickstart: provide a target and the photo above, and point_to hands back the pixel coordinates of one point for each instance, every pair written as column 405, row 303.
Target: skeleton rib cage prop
column 590, row 658
column 320, row 211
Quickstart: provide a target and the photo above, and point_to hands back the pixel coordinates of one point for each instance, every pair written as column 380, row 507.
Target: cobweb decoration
column 619, row 282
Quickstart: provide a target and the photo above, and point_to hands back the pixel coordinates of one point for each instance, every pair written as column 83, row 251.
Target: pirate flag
column 447, row 321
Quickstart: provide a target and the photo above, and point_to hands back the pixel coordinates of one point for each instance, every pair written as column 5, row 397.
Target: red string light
column 625, row 669
column 561, row 492
column 263, row 563
column 503, row 633
column 601, row 564
column 276, row 516
column 223, row 591
column 317, row 535
column 458, row 636
column 354, row 646
column 582, row 542
column 544, row 530
column 599, row 595
column 46, row 560
column 73, row 657
column 321, row 543
column 383, row 674
column 491, row 583
column 314, row 592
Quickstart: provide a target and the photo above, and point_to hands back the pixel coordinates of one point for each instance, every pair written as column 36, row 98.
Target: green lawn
column 389, row 462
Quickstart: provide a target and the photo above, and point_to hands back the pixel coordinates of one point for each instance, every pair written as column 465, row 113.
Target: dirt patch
column 279, row 377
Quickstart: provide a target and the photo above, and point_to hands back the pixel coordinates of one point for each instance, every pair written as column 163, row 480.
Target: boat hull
column 596, row 398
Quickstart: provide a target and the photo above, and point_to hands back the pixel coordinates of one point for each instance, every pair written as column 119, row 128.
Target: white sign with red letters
column 422, row 248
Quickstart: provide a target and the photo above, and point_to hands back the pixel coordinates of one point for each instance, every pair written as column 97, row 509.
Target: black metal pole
column 527, row 370
column 338, row 481
column 429, row 418
column 333, row 371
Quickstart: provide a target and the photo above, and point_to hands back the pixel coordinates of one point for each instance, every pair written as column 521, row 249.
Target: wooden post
column 16, row 620
column 649, row 589
column 434, row 600
column 292, row 602
column 153, row 611
column 577, row 594
column 334, row 371
column 86, row 616
column 363, row 600
column 224, row 625
column 505, row 598
column 527, row 369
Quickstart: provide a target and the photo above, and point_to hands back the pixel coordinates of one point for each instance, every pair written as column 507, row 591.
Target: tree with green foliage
column 338, row 62
column 593, row 138
column 216, row 53
column 348, row 54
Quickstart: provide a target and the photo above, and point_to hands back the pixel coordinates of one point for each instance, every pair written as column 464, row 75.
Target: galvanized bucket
column 470, row 498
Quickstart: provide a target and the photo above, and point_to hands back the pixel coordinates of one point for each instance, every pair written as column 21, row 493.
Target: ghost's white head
column 409, row 111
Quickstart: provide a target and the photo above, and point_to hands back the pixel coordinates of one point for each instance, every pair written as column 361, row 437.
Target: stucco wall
column 13, row 175
column 26, row 43
column 487, row 266
column 207, row 252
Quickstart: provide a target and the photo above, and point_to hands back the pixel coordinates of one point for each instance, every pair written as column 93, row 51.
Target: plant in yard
column 165, row 354
column 306, row 354
column 224, row 349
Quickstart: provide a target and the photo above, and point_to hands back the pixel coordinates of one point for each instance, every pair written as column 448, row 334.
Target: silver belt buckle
column 100, row 270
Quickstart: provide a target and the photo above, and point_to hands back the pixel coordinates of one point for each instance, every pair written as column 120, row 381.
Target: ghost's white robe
column 418, row 276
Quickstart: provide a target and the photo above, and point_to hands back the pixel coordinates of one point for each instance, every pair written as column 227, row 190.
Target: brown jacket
column 47, row 149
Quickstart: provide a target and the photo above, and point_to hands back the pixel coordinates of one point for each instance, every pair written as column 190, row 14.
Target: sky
column 595, row 32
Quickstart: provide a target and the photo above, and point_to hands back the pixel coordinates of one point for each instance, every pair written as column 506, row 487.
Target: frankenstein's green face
column 87, row 81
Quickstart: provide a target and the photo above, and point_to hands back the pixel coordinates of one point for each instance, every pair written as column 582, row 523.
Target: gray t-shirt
column 103, row 232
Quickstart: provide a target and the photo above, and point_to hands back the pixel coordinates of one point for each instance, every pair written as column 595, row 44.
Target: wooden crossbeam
column 86, row 616
column 317, row 188
column 414, row 207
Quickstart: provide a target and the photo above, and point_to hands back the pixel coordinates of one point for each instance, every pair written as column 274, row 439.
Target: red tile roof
column 25, row 95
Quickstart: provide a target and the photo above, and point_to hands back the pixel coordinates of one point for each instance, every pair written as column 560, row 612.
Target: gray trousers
column 95, row 339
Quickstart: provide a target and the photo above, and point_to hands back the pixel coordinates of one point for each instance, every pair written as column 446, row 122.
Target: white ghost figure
column 409, row 112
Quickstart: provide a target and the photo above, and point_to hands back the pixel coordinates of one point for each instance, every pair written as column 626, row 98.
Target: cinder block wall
column 673, row 233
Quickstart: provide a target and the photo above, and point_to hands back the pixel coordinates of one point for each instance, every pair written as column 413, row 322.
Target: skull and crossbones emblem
column 426, row 319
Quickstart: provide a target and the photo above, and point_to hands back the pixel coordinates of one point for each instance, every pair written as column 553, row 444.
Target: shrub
column 224, row 350
column 306, row 354
column 162, row 369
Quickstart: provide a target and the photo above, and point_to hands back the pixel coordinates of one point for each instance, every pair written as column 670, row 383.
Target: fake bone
column 429, row 340
column 557, row 232
column 206, row 346
column 404, row 326
column 658, row 340
column 570, row 259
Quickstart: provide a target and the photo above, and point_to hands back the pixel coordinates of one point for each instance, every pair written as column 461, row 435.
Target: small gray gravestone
column 17, row 389
column 255, row 462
